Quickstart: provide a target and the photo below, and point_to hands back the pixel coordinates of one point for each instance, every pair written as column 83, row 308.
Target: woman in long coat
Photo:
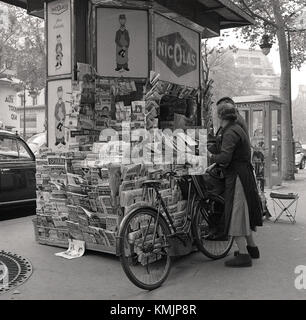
column 243, row 210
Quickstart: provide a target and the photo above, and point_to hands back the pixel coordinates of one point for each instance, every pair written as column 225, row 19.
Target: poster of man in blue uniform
column 122, row 45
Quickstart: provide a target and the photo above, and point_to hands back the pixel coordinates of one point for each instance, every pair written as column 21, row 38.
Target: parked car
column 37, row 142
column 300, row 157
column 17, row 171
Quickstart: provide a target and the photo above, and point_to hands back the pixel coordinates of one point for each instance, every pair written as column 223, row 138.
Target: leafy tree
column 31, row 63
column 219, row 65
column 227, row 80
column 276, row 19
column 9, row 33
column 22, row 43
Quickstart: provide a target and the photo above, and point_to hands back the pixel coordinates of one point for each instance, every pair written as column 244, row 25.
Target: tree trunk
column 288, row 164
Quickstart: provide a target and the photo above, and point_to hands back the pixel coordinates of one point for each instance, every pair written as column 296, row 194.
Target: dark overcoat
column 232, row 150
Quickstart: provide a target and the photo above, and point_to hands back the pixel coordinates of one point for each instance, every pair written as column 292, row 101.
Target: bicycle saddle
column 152, row 184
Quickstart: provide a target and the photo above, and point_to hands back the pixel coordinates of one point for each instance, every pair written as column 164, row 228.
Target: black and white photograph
column 152, row 153
column 122, row 42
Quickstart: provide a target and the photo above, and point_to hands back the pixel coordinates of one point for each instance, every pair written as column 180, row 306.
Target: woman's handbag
column 214, row 180
column 215, row 171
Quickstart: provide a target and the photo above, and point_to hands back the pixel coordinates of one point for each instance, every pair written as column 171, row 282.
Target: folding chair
column 281, row 200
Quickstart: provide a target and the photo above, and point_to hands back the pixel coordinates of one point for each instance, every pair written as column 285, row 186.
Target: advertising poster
column 8, row 110
column 59, row 37
column 122, row 43
column 59, row 97
column 177, row 56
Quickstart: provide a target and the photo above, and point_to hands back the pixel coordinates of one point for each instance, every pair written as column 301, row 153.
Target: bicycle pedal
column 177, row 234
column 180, row 247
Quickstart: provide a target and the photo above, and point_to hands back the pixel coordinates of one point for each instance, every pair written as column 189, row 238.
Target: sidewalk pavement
column 100, row 276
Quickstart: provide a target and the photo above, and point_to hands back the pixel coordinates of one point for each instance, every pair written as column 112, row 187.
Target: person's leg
column 126, row 67
column 241, row 258
column 250, row 240
column 119, row 67
column 252, row 247
column 240, row 241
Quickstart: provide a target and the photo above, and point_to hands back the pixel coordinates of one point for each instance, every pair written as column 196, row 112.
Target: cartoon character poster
column 122, row 43
column 59, row 96
column 59, row 37
column 59, row 52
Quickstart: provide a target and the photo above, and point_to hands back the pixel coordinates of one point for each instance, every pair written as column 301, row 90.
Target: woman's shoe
column 253, row 252
column 240, row 261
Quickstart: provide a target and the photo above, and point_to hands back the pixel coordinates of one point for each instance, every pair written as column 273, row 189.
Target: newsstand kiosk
column 115, row 68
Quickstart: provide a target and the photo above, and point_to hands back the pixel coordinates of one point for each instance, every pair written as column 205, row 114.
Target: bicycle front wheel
column 208, row 226
column 144, row 249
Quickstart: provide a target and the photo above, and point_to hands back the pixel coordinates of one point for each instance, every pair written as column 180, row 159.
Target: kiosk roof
column 212, row 15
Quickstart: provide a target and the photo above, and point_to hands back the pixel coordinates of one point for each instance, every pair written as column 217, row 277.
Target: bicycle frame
column 191, row 198
column 190, row 203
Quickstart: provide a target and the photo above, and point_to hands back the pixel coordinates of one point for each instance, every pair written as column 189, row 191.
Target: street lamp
column 265, row 45
column 23, row 95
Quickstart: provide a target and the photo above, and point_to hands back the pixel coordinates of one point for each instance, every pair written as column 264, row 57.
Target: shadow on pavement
column 17, row 212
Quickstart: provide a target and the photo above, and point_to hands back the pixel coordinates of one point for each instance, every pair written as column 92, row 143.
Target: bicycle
column 148, row 236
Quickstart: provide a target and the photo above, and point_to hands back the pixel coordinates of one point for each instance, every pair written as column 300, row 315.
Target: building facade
column 8, row 110
column 299, row 115
column 260, row 68
column 35, row 112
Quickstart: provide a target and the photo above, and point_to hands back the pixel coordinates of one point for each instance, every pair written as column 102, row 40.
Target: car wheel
column 302, row 164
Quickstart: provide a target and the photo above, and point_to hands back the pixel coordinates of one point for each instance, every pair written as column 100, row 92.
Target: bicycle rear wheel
column 144, row 249
column 209, row 220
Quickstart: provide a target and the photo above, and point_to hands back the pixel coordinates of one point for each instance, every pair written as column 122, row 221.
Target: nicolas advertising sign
column 177, row 52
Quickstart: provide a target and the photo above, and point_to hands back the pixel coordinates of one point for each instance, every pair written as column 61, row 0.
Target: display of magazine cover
column 84, row 193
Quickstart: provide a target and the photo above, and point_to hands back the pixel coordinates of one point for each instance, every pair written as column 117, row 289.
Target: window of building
column 256, row 61
column 258, row 71
column 269, row 72
column 21, row 99
column 243, row 60
column 31, row 121
column 9, row 64
column 34, row 99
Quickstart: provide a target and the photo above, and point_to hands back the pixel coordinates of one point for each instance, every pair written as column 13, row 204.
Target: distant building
column 299, row 22
column 261, row 69
column 299, row 115
column 8, row 111
column 12, row 102
column 35, row 112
